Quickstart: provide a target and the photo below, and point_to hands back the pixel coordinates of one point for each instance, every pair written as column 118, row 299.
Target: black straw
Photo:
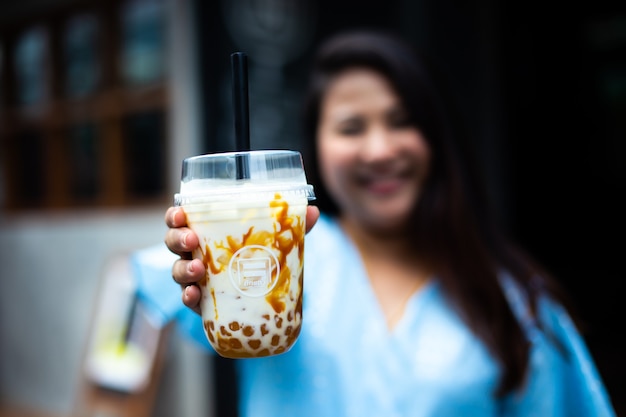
column 239, row 63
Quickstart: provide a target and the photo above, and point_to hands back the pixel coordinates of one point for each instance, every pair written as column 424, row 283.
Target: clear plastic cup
column 248, row 210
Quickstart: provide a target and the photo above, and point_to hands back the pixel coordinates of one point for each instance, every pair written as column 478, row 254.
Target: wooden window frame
column 106, row 108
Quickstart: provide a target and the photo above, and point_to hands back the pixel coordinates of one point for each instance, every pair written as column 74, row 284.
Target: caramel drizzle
column 288, row 232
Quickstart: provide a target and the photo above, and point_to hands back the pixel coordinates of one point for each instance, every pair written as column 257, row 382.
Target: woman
column 415, row 304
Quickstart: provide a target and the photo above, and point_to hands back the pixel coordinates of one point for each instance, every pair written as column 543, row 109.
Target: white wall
column 50, row 268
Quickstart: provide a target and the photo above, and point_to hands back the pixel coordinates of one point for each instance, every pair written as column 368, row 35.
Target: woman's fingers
column 312, row 214
column 179, row 238
column 191, row 297
column 182, row 241
column 187, row 272
column 175, row 217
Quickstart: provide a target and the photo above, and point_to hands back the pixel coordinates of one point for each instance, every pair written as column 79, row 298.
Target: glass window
column 77, row 126
column 80, row 53
column 84, row 162
column 28, row 171
column 31, row 65
column 144, row 150
column 143, row 41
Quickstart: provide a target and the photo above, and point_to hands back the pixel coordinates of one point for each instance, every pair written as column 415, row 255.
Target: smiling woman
column 414, row 303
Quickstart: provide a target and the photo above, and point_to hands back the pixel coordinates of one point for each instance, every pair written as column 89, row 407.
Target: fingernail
column 190, row 267
column 185, row 239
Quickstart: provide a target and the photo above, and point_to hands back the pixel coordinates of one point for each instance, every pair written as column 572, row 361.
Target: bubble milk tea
column 251, row 234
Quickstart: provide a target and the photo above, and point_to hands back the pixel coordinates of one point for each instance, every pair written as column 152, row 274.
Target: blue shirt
column 347, row 362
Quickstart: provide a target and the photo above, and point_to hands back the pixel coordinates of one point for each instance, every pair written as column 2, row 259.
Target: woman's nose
column 378, row 145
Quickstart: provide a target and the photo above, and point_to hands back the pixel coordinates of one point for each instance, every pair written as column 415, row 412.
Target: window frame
column 107, row 107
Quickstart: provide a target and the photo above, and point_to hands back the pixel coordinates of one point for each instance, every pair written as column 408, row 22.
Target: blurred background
column 100, row 100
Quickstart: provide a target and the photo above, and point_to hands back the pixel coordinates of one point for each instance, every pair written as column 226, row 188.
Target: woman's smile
column 384, row 185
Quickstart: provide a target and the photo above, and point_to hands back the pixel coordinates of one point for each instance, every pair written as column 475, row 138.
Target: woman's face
column 372, row 160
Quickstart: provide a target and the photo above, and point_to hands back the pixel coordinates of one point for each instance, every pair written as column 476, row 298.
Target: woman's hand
column 181, row 240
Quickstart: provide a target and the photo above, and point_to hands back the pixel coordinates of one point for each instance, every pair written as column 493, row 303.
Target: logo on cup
column 254, row 270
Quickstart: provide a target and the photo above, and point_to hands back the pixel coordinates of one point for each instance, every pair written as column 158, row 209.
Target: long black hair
column 453, row 228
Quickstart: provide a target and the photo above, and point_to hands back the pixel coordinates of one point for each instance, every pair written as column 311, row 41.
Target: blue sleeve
column 161, row 295
column 189, row 325
column 562, row 381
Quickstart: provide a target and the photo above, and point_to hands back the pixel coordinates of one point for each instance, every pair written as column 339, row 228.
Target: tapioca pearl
column 291, row 338
column 275, row 340
column 225, row 332
column 248, row 331
column 235, row 343
column 223, row 344
column 290, row 315
column 234, row 326
column 254, row 343
column 264, row 352
column 264, row 330
column 288, row 330
column 211, row 324
column 266, row 316
column 278, row 320
column 279, row 350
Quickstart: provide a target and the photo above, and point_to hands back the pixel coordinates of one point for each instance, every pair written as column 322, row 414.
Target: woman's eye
column 350, row 129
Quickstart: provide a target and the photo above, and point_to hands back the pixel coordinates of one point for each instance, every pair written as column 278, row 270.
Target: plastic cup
column 251, row 233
